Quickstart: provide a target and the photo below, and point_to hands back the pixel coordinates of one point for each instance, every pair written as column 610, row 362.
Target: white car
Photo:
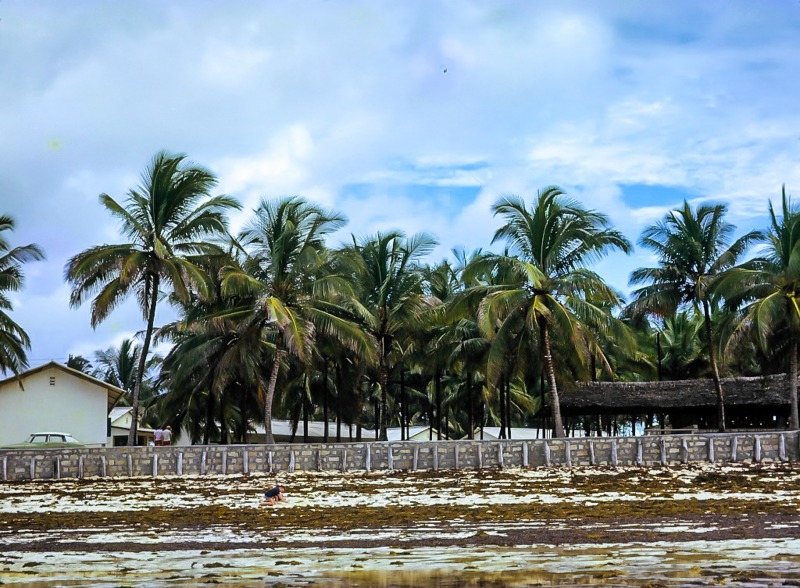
column 47, row 440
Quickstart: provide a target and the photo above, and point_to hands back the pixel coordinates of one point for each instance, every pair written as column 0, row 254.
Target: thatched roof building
column 771, row 391
column 748, row 401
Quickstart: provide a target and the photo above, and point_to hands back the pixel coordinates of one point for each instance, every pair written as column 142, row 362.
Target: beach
column 702, row 524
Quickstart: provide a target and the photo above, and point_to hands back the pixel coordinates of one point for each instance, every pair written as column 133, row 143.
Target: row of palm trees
column 274, row 321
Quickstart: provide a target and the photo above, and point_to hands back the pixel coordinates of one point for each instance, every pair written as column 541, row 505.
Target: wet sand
column 584, row 526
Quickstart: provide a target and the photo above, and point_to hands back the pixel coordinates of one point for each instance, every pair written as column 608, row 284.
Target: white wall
column 72, row 405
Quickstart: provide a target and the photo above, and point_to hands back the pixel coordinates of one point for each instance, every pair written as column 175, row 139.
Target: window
column 52, row 380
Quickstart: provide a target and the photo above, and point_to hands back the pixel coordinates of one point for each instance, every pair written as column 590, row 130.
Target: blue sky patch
column 640, row 195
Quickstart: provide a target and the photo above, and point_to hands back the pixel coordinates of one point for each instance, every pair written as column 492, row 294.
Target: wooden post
column 568, row 453
column 500, row 455
column 639, row 453
column 33, row 468
column 344, row 460
column 525, row 457
column 224, row 463
column 435, row 457
column 291, row 461
column 155, row 465
column 368, row 458
column 103, row 465
column 546, row 453
column 757, row 449
column 684, row 450
column 203, row 462
column 663, row 448
column 614, row 460
column 319, row 460
column 269, row 461
column 734, row 446
column 782, row 447
column 179, row 466
column 389, row 457
column 130, row 465
column 245, row 462
column 592, row 460
column 711, row 456
column 480, row 457
column 80, row 467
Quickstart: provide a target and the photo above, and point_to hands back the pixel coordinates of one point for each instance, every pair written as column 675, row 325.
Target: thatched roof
column 763, row 391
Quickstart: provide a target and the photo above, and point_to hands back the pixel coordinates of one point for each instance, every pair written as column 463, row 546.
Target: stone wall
column 124, row 462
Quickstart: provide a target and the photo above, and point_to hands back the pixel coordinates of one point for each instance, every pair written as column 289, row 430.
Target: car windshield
column 47, row 438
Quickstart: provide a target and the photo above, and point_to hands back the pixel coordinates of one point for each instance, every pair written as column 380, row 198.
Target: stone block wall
column 124, row 462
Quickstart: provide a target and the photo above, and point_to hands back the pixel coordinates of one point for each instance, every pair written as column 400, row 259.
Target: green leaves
column 14, row 341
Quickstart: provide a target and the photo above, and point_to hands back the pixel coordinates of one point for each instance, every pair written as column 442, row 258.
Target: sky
column 413, row 115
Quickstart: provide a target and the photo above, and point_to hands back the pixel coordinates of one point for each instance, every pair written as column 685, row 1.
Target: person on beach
column 166, row 436
column 158, row 435
column 272, row 496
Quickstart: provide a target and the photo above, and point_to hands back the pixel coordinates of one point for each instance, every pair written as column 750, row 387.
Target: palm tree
column 286, row 273
column 167, row 221
column 391, row 297
column 80, row 363
column 694, row 248
column 14, row 341
column 770, row 284
column 550, row 290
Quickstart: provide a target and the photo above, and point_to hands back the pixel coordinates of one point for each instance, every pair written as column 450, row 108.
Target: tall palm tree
column 770, row 284
column 694, row 248
column 14, row 341
column 168, row 222
column 551, row 291
column 391, row 297
column 286, row 273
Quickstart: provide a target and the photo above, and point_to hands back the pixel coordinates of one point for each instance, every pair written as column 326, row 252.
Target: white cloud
column 314, row 98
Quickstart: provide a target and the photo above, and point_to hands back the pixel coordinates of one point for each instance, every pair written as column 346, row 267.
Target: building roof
column 763, row 391
column 516, row 433
column 114, row 393
column 394, row 434
column 316, row 430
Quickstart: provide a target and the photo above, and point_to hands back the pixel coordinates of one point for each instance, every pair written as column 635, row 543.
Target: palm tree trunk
column 148, row 335
column 508, row 408
column 305, row 409
column 794, row 423
column 438, row 392
column 404, row 407
column 502, row 434
column 325, row 400
column 384, row 403
column 273, row 381
column 555, row 405
column 470, row 407
column 339, row 388
column 712, row 357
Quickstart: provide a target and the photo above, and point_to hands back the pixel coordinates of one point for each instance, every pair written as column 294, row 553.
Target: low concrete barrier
column 199, row 460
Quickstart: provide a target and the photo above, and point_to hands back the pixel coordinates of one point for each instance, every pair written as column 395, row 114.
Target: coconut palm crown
column 694, row 249
column 14, row 341
column 167, row 222
column 285, row 272
column 769, row 285
column 550, row 288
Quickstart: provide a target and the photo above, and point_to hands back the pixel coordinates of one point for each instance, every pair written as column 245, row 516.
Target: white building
column 119, row 420
column 53, row 397
column 282, row 432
